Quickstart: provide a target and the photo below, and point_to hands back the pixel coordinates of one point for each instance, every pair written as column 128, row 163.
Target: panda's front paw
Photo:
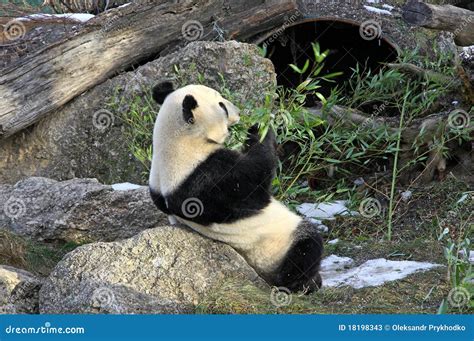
column 253, row 130
column 270, row 139
column 252, row 136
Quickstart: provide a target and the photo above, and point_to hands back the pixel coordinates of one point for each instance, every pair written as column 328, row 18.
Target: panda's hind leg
column 299, row 270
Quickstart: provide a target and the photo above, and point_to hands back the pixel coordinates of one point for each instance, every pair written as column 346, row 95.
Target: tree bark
column 116, row 40
column 450, row 18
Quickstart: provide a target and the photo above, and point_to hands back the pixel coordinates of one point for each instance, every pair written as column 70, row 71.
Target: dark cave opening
column 347, row 49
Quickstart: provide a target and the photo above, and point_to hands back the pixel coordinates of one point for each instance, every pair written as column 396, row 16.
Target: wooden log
column 417, row 71
column 10, row 27
column 430, row 125
column 450, row 18
column 114, row 41
column 421, row 132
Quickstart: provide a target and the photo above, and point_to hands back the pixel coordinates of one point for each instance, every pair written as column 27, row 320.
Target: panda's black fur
column 233, row 186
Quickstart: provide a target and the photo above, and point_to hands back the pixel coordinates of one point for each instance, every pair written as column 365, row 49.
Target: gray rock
column 162, row 270
column 18, row 291
column 88, row 137
column 234, row 66
column 77, row 210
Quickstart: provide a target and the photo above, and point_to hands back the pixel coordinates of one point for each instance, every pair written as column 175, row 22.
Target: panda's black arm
column 253, row 140
column 262, row 155
column 257, row 166
column 254, row 169
column 228, row 185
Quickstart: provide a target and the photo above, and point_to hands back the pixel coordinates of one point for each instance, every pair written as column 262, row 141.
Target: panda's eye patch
column 222, row 105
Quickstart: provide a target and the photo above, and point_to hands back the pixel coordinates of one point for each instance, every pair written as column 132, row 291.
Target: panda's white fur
column 179, row 147
column 263, row 239
column 190, row 163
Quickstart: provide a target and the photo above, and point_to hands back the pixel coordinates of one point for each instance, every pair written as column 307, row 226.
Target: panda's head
column 195, row 111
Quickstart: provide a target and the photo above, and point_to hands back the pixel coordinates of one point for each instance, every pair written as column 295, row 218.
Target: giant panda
column 225, row 194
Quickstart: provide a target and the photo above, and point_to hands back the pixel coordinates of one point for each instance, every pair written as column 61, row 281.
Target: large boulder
column 77, row 210
column 162, row 270
column 89, row 136
column 18, row 291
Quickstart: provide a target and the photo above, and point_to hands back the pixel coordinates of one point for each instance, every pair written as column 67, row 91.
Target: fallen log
column 12, row 29
column 116, row 40
column 450, row 18
column 421, row 130
column 417, row 71
column 417, row 137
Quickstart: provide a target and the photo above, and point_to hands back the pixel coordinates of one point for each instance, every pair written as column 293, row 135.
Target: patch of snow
column 322, row 228
column 125, row 186
column 406, row 195
column 334, row 241
column 81, row 17
column 323, row 211
column 339, row 271
column 319, row 225
column 387, row 6
column 124, row 5
column 468, row 48
column 467, row 53
column 471, row 256
column 335, row 264
column 359, row 181
column 377, row 10
column 464, row 197
column 172, row 220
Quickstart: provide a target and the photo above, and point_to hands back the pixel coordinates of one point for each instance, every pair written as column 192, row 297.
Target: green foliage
column 14, row 8
column 37, row 257
column 387, row 90
column 332, row 155
column 457, row 245
column 138, row 116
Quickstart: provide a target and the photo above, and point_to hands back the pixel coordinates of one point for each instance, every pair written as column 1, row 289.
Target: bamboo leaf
column 295, row 68
column 305, row 67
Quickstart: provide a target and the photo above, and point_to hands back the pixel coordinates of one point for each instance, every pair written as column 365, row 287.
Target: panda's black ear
column 161, row 90
column 189, row 104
